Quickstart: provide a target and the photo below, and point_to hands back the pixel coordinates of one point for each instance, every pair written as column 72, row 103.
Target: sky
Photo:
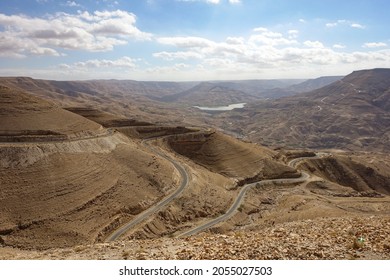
column 188, row 40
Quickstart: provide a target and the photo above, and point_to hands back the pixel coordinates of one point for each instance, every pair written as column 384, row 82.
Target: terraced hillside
column 66, row 191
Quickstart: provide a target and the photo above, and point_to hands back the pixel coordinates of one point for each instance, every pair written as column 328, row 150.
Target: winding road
column 152, row 210
column 229, row 213
column 183, row 184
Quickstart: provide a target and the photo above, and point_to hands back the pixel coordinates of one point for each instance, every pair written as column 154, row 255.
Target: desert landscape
column 194, row 130
column 88, row 182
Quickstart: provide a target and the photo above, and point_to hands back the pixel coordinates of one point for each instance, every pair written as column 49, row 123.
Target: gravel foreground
column 324, row 238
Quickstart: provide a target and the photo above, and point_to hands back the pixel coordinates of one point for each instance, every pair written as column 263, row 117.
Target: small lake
column 222, row 108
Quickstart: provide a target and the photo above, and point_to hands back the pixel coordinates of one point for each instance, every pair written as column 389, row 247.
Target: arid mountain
column 106, row 164
column 130, row 99
column 98, row 87
column 209, row 94
column 352, row 113
column 314, row 84
column 162, row 102
column 216, row 93
column 76, row 189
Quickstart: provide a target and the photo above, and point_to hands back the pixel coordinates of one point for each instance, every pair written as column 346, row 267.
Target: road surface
column 152, row 210
column 241, row 195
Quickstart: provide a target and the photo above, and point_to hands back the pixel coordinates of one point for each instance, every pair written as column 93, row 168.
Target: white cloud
column 98, row 31
column 339, row 46
column 331, row 24
column 265, row 62
column 374, row 45
column 345, row 22
column 357, row 25
column 72, row 4
column 270, row 38
column 178, row 55
column 235, row 40
column 206, row 1
column 336, row 23
column 313, row 44
column 293, row 34
column 186, row 42
column 123, row 62
column 14, row 47
column 266, row 51
column 214, row 2
column 260, row 29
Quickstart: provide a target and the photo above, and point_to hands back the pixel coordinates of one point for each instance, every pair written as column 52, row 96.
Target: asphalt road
column 184, row 182
column 152, row 210
column 245, row 188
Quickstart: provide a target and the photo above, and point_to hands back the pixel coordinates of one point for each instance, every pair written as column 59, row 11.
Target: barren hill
column 129, row 99
column 71, row 180
column 23, row 114
column 313, row 84
column 228, row 156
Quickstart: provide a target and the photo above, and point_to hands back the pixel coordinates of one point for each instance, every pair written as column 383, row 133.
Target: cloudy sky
column 192, row 39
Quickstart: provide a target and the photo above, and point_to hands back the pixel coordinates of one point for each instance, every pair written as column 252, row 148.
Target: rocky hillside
column 326, row 238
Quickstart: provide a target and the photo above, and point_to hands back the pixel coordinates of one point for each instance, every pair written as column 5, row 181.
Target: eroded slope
column 228, row 156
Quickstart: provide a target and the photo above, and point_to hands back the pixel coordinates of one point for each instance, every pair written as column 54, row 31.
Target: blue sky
column 192, row 39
